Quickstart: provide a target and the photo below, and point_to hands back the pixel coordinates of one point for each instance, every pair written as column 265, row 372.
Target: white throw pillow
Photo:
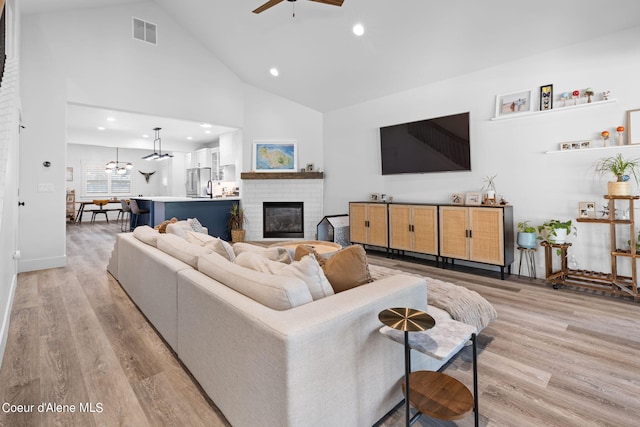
column 146, row 234
column 179, row 228
column 274, row 254
column 276, row 292
column 214, row 243
column 307, row 269
column 198, row 238
column 195, row 225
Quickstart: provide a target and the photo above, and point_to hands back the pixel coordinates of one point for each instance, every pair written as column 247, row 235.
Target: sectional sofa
column 265, row 351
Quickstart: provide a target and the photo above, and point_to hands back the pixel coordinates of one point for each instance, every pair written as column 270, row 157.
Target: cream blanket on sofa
column 464, row 305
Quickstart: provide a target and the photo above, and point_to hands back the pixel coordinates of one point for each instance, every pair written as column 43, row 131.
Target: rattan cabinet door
column 399, row 227
column 454, row 232
column 358, row 222
column 377, row 214
column 425, row 229
column 487, row 235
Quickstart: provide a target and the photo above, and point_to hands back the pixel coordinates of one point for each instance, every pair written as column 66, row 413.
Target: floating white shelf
column 554, row 110
column 611, row 147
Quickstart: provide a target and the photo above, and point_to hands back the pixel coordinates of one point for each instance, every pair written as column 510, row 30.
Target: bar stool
column 124, row 212
column 136, row 212
column 100, row 210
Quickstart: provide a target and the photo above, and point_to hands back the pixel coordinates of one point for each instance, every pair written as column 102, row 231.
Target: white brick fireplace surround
column 306, row 187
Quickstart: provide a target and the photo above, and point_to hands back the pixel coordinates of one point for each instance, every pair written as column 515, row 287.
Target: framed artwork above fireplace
column 275, row 156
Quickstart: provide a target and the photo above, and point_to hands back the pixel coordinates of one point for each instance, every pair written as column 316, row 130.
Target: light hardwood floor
column 553, row 358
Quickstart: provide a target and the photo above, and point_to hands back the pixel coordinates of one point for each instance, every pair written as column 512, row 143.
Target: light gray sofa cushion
column 275, row 254
column 181, row 249
column 146, row 234
column 276, row 292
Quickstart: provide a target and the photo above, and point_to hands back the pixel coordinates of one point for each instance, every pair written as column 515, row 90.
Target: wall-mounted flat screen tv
column 434, row 145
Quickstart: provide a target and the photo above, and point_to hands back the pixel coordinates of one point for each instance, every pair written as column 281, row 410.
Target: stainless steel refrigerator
column 196, row 182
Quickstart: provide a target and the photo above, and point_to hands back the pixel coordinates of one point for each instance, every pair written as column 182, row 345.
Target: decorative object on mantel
column 457, row 199
column 564, row 97
column 575, row 95
column 605, row 95
column 588, row 92
column 274, row 156
column 309, row 168
column 605, row 137
column 622, row 169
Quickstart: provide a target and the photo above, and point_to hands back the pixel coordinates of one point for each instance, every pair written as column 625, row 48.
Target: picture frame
column 69, row 174
column 513, row 103
column 546, row 97
column 574, row 145
column 457, row 199
column 310, row 167
column 374, row 197
column 275, row 156
column 473, row 198
column 586, row 210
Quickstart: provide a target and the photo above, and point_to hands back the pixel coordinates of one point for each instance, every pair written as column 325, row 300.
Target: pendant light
column 115, row 166
column 157, row 155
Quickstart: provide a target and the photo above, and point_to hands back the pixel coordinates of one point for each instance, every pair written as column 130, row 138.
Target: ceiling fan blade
column 267, row 5
column 330, row 2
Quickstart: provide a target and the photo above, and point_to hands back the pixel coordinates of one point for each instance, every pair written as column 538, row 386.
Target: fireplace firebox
column 282, row 219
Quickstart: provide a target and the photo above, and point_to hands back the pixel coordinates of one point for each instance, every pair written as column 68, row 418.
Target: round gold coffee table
column 321, row 247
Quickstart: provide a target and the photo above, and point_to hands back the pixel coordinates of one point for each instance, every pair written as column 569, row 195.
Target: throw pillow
column 179, row 228
column 304, row 250
column 221, row 247
column 307, row 269
column 181, row 249
column 274, row 254
column 347, row 268
column 200, row 239
column 195, row 225
column 146, row 234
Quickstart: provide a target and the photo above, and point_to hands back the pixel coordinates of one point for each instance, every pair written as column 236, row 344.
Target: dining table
column 83, row 203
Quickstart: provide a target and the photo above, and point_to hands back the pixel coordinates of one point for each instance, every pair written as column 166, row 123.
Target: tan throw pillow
column 306, row 269
column 304, row 250
column 347, row 268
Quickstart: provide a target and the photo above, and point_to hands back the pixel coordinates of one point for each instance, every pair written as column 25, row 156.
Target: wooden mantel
column 282, row 175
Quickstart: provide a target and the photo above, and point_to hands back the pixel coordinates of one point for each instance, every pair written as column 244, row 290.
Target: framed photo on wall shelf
column 546, row 97
column 274, row 156
column 457, row 199
column 576, row 145
column 513, row 103
column 586, row 210
column 473, row 199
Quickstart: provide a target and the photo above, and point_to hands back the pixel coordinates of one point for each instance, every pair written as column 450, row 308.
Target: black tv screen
column 434, row 145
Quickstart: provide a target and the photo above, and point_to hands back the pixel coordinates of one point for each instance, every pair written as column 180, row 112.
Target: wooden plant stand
column 608, row 282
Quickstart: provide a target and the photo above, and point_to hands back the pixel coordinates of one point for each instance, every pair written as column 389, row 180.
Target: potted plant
column 555, row 231
column 622, row 169
column 236, row 223
column 526, row 235
column 489, row 188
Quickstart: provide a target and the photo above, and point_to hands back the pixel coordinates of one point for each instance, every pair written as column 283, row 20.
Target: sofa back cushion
column 216, row 244
column 179, row 228
column 146, row 234
column 179, row 248
column 276, row 292
column 307, row 269
column 274, row 254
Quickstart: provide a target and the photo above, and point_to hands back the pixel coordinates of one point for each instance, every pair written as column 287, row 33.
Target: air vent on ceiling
column 145, row 31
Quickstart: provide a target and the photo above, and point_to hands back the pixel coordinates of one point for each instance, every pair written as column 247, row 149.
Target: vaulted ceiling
column 406, row 43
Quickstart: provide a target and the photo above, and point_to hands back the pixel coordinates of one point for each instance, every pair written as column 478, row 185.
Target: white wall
column 88, row 56
column 540, row 186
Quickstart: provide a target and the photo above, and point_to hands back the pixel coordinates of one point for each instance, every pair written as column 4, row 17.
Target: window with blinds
column 97, row 182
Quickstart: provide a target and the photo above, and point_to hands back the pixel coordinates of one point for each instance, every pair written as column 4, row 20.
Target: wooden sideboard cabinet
column 368, row 223
column 478, row 234
column 413, row 228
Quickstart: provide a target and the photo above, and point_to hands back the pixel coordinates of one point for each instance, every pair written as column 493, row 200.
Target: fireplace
column 282, row 219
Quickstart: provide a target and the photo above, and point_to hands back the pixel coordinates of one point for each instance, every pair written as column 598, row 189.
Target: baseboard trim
column 25, row 265
column 4, row 330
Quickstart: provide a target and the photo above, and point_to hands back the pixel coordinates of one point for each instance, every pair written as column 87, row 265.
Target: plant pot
column 526, row 240
column 617, row 188
column 237, row 235
column 560, row 237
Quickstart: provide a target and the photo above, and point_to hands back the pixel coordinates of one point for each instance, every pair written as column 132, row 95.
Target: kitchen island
column 212, row 213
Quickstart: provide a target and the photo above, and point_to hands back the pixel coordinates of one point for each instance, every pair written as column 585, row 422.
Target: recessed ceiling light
column 207, row 131
column 205, row 125
column 100, row 128
column 274, row 72
column 111, row 119
column 358, row 30
column 145, row 136
column 189, row 138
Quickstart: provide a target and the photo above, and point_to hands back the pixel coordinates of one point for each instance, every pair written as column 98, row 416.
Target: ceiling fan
column 272, row 3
